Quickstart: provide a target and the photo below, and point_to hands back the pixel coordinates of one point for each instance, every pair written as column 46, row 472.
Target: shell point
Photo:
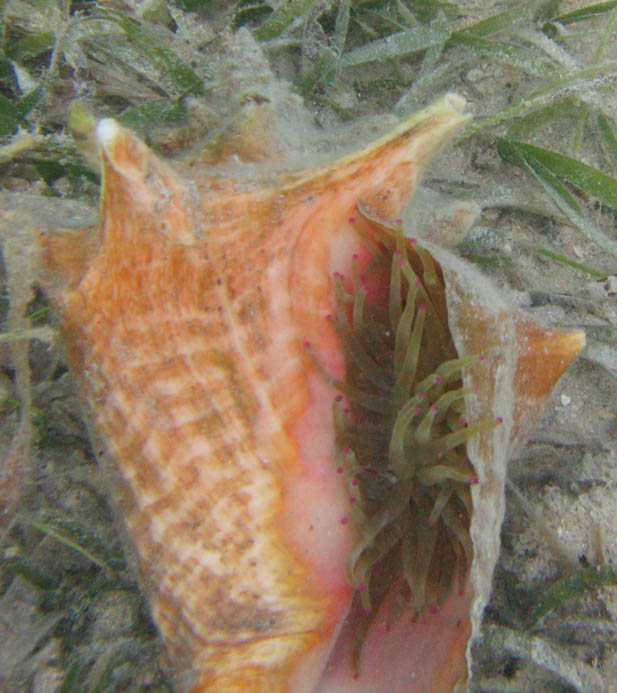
column 573, row 343
column 455, row 101
column 107, row 131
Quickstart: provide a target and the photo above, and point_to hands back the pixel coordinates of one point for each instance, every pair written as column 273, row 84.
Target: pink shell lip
column 212, row 264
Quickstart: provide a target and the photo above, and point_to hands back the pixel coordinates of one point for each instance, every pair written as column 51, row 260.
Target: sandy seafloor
column 64, row 613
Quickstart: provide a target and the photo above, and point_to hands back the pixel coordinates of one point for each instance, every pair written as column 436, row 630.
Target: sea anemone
column 400, row 437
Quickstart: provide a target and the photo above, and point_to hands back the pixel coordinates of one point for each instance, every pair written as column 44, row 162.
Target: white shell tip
column 106, row 132
column 456, row 101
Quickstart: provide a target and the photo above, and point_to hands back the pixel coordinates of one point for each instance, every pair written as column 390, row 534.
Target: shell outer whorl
column 172, row 357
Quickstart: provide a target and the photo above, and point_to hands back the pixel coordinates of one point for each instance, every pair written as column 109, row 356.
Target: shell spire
column 242, row 342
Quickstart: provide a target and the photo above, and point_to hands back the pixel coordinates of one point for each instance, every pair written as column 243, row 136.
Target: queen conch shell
column 195, row 319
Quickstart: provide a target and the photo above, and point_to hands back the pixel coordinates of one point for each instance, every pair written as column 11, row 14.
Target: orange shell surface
column 184, row 317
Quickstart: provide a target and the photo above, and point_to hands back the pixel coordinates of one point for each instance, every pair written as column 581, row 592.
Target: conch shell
column 220, row 329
